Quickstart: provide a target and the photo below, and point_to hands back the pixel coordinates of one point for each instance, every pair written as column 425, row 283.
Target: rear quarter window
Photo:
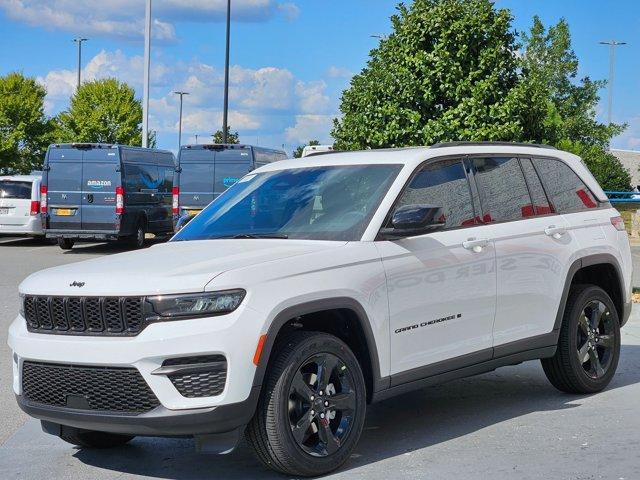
column 566, row 191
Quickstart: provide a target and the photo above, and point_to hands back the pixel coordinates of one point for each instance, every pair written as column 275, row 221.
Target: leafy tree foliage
column 102, row 111
column 455, row 70
column 25, row 131
column 232, row 137
column 297, row 153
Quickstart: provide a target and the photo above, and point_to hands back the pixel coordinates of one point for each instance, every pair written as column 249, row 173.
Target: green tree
column 297, row 153
column 550, row 68
column 447, row 72
column 25, row 131
column 103, row 111
column 232, row 137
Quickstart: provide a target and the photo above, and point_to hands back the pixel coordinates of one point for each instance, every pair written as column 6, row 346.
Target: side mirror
column 182, row 221
column 410, row 220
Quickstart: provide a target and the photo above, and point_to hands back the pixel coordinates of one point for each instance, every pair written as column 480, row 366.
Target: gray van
column 205, row 171
column 93, row 191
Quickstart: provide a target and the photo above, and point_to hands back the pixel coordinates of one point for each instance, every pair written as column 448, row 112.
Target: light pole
column 79, row 41
column 225, row 112
column 182, row 94
column 612, row 61
column 147, row 67
column 196, row 139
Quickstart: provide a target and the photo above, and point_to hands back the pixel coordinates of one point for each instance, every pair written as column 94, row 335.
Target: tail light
column 176, row 196
column 618, row 223
column 119, row 200
column 35, row 207
column 43, row 199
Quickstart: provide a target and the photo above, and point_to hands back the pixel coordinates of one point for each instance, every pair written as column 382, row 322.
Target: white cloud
column 312, row 97
column 310, row 127
column 339, row 72
column 125, row 18
column 630, row 138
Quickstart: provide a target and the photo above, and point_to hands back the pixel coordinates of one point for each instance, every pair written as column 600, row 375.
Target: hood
column 174, row 267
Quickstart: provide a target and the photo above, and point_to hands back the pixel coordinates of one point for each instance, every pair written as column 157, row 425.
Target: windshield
column 319, row 203
column 13, row 189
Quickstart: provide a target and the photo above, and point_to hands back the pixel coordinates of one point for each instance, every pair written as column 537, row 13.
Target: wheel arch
column 306, row 315
column 603, row 270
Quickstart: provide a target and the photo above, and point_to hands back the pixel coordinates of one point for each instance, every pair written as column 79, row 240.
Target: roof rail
column 490, row 143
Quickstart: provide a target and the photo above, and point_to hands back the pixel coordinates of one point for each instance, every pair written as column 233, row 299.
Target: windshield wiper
column 258, row 235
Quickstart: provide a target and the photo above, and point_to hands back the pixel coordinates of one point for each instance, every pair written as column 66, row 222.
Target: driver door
column 441, row 285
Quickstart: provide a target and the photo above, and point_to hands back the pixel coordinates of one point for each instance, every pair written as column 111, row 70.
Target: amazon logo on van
column 228, row 181
column 98, row 183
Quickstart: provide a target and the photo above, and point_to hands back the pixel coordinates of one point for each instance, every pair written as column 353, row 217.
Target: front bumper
column 159, row 422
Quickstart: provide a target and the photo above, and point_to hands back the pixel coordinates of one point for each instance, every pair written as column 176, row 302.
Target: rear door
column 64, row 184
column 100, row 177
column 15, row 201
column 196, row 178
column 230, row 166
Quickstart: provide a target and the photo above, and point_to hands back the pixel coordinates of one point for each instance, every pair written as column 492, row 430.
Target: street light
column 225, row 113
column 147, row 68
column 196, row 139
column 79, row 41
column 612, row 59
column 182, row 94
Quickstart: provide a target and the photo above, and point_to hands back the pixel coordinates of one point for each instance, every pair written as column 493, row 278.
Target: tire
column 589, row 370
column 93, row 439
column 65, row 243
column 137, row 240
column 271, row 431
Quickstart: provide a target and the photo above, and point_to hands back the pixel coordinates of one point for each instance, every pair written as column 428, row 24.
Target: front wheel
column 312, row 409
column 138, row 238
column 589, row 343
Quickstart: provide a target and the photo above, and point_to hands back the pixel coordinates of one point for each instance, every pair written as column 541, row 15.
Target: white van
column 20, row 205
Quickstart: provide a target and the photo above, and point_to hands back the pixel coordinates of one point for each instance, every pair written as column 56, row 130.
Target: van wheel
column 589, row 344
column 66, row 243
column 312, row 408
column 93, row 439
column 137, row 239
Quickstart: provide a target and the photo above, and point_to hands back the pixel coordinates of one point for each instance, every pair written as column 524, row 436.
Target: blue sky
column 290, row 58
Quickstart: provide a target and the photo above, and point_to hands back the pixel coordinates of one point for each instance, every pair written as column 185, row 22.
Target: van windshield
column 318, row 203
column 14, row 189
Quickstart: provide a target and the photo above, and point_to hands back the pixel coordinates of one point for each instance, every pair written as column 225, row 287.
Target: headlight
column 196, row 304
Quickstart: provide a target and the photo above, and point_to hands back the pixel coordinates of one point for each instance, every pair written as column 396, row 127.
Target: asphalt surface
column 504, row 425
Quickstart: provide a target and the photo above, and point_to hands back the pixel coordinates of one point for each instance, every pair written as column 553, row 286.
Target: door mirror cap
column 411, row 220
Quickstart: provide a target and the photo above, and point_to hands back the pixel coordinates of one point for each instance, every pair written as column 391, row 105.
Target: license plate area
column 193, row 212
column 4, row 210
column 65, row 212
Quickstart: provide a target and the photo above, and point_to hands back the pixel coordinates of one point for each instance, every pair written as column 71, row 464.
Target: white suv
column 315, row 286
column 20, row 205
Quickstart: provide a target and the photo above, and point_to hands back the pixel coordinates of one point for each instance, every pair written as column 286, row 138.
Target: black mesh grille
column 106, row 389
column 85, row 315
column 201, row 383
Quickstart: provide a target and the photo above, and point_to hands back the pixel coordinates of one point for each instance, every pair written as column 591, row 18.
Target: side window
column 540, row 204
column 131, row 177
column 166, row 177
column 566, row 191
column 503, row 191
column 444, row 185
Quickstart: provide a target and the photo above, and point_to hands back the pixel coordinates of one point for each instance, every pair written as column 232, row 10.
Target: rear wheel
column 588, row 345
column 138, row 238
column 93, row 439
column 66, row 243
column 312, row 409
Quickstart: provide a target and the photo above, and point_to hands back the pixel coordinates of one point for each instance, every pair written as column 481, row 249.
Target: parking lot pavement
column 507, row 424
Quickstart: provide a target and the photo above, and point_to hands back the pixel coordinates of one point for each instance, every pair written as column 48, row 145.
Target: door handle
column 475, row 244
column 554, row 231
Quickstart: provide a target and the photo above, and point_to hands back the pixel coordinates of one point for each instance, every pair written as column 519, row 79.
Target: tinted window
column 540, row 203
column 566, row 191
column 141, row 177
column 444, row 185
column 166, row 178
column 503, row 191
column 321, row 203
column 11, row 189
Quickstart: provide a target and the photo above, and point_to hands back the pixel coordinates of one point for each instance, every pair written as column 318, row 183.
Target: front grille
column 85, row 315
column 199, row 379
column 105, row 389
